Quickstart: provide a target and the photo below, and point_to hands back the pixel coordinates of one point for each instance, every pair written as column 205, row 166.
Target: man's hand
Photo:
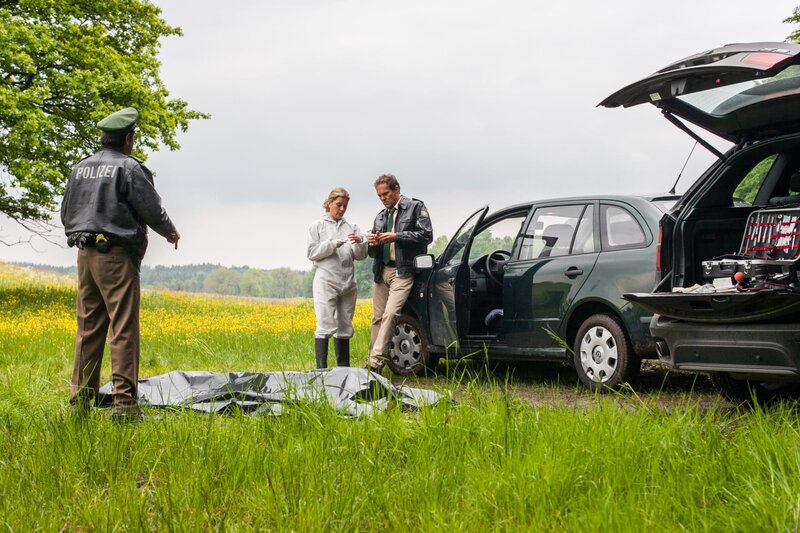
column 174, row 238
column 385, row 238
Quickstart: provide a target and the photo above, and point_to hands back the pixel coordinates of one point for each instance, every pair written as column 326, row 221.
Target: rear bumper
column 760, row 350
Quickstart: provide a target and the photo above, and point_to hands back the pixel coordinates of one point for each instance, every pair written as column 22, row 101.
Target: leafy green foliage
column 223, row 281
column 794, row 19
column 186, row 278
column 64, row 66
column 749, row 186
column 275, row 283
column 484, row 243
column 437, row 246
column 364, row 277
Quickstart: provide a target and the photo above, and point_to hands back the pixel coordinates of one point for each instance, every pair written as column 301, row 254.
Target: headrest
column 557, row 230
column 794, row 182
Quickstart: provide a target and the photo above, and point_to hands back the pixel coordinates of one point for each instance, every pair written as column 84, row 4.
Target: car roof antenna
column 672, row 190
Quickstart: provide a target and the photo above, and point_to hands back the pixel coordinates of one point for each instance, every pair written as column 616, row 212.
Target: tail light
column 658, row 248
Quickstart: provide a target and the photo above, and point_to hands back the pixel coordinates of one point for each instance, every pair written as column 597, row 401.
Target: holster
column 85, row 239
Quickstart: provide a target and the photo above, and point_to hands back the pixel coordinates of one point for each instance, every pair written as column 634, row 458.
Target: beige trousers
column 108, row 304
column 389, row 296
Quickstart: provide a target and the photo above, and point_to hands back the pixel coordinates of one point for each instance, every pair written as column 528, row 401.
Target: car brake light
column 764, row 59
column 658, row 249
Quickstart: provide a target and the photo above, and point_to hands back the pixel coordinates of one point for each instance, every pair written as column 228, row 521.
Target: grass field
column 487, row 461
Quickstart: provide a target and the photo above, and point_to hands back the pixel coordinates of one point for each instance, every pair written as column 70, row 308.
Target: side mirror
column 423, row 262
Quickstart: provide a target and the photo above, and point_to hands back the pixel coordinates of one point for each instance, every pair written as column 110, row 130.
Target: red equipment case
column 770, row 246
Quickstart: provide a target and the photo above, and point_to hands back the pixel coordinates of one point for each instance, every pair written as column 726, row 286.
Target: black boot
column 321, row 351
column 342, row 349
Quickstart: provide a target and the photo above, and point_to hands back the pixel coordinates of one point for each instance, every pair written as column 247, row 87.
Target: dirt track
column 548, row 384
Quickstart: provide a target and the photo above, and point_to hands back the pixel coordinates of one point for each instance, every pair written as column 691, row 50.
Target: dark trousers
column 108, row 305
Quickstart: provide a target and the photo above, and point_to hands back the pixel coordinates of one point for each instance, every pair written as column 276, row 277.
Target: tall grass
column 488, row 461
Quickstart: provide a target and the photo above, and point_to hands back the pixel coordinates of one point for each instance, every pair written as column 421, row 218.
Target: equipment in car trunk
column 768, row 255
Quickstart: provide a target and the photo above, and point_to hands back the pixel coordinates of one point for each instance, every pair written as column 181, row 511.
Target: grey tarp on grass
column 352, row 391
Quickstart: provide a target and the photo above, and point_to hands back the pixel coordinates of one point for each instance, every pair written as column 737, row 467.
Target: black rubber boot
column 342, row 349
column 321, row 351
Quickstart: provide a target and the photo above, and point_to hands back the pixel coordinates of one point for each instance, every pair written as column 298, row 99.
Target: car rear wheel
column 744, row 391
column 408, row 352
column 603, row 356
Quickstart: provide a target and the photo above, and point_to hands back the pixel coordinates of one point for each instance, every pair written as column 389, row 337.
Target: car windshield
column 727, row 99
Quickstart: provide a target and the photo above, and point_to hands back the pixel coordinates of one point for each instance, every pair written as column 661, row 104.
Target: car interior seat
column 494, row 321
column 793, row 200
column 625, row 233
column 558, row 238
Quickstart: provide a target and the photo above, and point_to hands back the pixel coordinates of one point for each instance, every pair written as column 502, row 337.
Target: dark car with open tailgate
column 728, row 299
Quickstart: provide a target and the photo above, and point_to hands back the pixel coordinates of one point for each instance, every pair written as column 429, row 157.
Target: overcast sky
column 466, row 102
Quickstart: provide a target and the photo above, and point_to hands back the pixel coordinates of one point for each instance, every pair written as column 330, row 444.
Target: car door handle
column 573, row 272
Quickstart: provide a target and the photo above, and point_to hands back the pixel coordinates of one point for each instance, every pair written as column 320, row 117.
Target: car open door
column 736, row 91
column 449, row 286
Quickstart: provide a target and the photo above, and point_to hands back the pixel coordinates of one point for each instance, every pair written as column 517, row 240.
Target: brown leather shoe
column 126, row 412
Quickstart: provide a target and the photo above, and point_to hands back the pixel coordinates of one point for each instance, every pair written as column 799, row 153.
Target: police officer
column 108, row 203
column 400, row 232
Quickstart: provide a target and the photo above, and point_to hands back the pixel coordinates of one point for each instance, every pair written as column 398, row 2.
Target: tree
column 223, row 281
column 437, row 247
column 794, row 19
column 307, row 285
column 65, row 65
column 284, row 283
column 254, row 282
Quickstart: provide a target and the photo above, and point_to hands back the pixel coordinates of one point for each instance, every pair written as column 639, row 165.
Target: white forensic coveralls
column 334, row 286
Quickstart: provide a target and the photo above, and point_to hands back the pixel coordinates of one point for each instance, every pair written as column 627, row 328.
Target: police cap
column 120, row 122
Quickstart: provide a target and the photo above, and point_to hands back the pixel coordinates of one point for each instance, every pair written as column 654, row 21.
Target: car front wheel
column 603, row 355
column 408, row 353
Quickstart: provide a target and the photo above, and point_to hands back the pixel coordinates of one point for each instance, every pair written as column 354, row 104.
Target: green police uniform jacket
column 414, row 233
column 113, row 194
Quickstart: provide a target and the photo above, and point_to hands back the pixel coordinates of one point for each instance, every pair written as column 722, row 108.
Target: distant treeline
column 241, row 281
column 272, row 283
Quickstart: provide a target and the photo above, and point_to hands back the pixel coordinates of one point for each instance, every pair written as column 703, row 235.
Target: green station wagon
column 525, row 282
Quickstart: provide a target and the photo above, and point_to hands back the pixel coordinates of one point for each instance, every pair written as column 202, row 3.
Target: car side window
column 499, row 236
column 619, row 229
column 550, row 231
column 746, row 191
column 454, row 253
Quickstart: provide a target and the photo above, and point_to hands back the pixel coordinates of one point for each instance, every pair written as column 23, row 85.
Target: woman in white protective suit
column 333, row 245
